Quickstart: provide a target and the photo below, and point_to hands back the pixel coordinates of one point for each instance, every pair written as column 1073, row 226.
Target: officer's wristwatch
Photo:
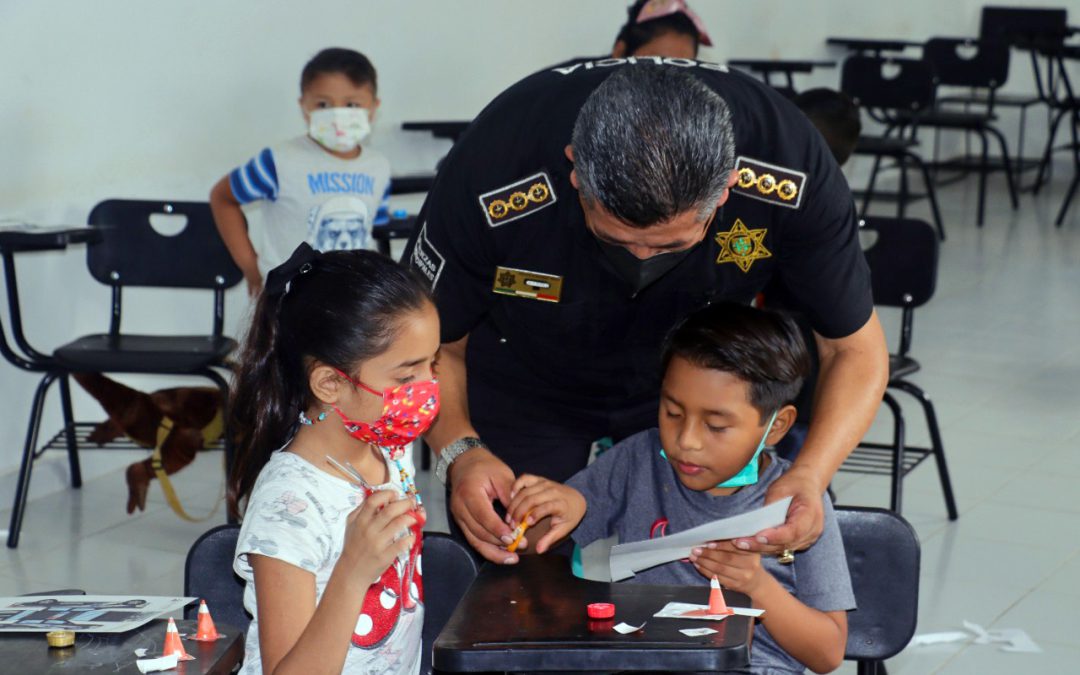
column 452, row 452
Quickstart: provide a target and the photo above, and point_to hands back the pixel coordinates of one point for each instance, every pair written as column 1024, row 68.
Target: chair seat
column 145, row 353
column 883, row 145
column 901, row 366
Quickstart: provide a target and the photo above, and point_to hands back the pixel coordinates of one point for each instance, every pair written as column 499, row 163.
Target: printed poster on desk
column 84, row 613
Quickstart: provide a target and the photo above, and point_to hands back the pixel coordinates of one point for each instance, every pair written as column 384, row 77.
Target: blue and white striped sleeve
column 255, row 180
column 382, row 215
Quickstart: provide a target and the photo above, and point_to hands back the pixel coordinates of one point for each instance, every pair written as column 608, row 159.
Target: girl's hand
column 377, row 533
column 533, row 498
column 736, row 569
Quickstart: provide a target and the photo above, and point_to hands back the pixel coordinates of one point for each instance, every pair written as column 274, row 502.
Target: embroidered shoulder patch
column 517, row 200
column 769, row 182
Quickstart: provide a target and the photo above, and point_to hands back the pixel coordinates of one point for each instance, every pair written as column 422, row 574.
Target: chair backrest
column 449, row 568
column 883, row 558
column 132, row 253
column 964, row 62
column 903, row 260
column 1024, row 26
column 208, row 575
column 888, row 83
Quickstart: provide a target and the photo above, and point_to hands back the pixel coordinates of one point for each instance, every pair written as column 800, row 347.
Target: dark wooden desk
column 531, row 617
column 442, row 129
column 874, row 46
column 29, row 654
column 19, row 239
column 785, row 67
column 397, row 228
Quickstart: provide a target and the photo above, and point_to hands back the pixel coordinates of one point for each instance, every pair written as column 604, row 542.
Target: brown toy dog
column 140, row 416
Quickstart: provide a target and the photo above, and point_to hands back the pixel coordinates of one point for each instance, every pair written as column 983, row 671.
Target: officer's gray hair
column 652, row 142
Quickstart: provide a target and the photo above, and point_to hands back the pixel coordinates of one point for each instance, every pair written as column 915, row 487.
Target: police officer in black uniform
column 586, row 210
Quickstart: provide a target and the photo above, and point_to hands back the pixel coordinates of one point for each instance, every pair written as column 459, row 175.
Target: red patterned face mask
column 408, row 411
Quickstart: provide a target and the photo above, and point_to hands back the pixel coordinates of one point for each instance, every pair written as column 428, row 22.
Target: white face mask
column 339, row 129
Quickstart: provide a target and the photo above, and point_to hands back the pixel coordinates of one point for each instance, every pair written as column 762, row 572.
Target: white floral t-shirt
column 297, row 513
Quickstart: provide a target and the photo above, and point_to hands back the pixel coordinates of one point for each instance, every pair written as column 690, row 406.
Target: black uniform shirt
column 597, row 348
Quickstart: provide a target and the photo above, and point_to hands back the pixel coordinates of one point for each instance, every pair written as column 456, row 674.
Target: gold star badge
column 742, row 246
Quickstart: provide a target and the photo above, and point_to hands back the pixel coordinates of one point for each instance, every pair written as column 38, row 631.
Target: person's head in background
column 339, row 97
column 836, row 116
column 661, row 28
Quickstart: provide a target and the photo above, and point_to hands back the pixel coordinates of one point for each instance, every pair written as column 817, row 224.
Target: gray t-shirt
column 633, row 492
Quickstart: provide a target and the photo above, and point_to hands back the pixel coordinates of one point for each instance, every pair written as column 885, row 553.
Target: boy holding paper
column 730, row 375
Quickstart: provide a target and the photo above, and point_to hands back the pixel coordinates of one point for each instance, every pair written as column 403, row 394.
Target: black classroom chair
column 449, row 569
column 883, row 555
column 131, row 253
column 907, row 91
column 1021, row 28
column 1067, row 106
column 984, row 70
column 903, row 273
column 208, row 575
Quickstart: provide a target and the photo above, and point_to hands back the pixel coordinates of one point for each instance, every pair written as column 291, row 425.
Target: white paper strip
column 940, row 638
column 626, row 628
column 677, row 610
column 696, row 632
column 626, row 559
column 160, row 663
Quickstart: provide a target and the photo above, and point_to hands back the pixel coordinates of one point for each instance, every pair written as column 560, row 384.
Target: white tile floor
column 1001, row 355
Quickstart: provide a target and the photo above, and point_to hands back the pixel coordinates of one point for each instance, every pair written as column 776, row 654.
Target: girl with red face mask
column 336, row 378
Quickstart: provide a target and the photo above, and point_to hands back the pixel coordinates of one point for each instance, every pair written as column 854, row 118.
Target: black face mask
column 639, row 273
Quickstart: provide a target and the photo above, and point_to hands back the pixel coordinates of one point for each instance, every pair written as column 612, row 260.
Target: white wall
column 158, row 99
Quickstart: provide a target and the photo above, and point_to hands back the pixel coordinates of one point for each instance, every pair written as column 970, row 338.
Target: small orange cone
column 206, row 631
column 716, row 599
column 173, row 645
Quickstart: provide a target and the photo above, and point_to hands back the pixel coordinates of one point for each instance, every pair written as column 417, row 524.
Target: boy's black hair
column 634, row 34
column 352, row 64
column 836, row 116
column 761, row 347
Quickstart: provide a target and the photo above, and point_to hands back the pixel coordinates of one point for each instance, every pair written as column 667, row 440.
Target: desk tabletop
column 872, row 44
column 451, row 129
column 17, row 238
column 531, row 616
column 781, row 65
column 28, row 653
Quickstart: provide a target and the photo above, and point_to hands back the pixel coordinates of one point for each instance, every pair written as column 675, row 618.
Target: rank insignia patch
column 769, row 182
column 517, row 200
column 526, row 284
column 742, row 246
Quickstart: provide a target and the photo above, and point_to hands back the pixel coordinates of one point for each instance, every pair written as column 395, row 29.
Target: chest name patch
column 769, row 183
column 526, row 284
column 742, row 246
column 518, row 199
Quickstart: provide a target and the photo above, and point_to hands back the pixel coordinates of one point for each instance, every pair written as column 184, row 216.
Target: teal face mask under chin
column 748, row 475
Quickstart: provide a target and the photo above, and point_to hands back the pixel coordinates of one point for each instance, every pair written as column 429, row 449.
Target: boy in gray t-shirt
column 730, row 374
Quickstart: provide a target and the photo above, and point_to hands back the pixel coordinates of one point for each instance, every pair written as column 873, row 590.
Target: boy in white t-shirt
column 322, row 188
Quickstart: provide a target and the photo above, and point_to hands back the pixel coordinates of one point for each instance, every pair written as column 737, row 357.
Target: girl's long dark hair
column 339, row 308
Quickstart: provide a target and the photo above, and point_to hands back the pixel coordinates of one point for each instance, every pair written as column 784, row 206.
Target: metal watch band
column 451, row 452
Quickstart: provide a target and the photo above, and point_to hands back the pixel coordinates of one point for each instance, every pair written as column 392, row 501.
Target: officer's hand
column 805, row 518
column 477, row 479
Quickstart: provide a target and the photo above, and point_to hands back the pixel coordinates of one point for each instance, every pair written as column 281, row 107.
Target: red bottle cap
column 600, row 610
